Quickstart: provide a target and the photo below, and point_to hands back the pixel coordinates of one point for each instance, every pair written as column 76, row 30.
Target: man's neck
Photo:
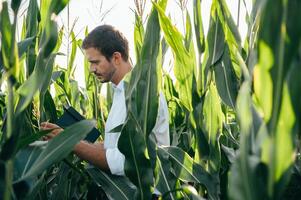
column 121, row 72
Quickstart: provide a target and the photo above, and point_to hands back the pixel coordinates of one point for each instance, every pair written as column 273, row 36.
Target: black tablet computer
column 70, row 117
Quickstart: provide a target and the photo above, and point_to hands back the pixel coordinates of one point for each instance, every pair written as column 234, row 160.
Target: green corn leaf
column 47, row 8
column 24, row 45
column 38, row 186
column 226, row 81
column 185, row 63
column 62, row 87
column 8, row 41
column 137, row 166
column 215, row 43
column 189, row 44
column 86, row 63
column 248, row 179
column 59, row 147
column 109, row 97
column 57, row 6
column 25, row 141
column 262, row 75
column 48, row 39
column 175, row 108
column 142, row 99
column 164, row 48
column 40, row 78
column 115, row 187
column 44, row 8
column 277, row 46
column 191, row 192
column 280, row 164
column 285, row 137
column 165, row 179
column 202, row 148
column 278, row 43
column 23, row 162
column 21, row 57
column 44, row 84
column 187, row 170
column 31, row 31
column 32, row 19
column 6, row 173
column 27, row 156
column 188, row 36
column 6, row 36
column 56, row 75
column 62, row 190
column 169, row 89
column 230, row 29
column 71, row 67
column 212, row 124
column 249, row 175
column 75, row 94
column 294, row 84
column 200, row 40
column 49, row 106
column 37, row 80
column 23, row 29
column 198, row 26
column 227, row 73
column 216, row 37
column 8, row 148
column 66, row 85
column 59, row 39
column 145, row 79
column 138, row 35
column 15, row 4
column 43, row 114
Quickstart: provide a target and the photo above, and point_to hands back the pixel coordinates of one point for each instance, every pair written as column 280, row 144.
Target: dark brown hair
column 107, row 40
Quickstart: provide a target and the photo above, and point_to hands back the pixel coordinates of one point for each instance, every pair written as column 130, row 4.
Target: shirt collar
column 118, row 87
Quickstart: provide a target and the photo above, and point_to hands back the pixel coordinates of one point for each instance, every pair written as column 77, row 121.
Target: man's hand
column 94, row 153
column 46, row 126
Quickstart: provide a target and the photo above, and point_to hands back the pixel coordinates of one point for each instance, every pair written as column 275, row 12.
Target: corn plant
column 234, row 109
column 22, row 164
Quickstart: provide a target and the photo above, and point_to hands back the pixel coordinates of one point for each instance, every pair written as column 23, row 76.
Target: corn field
column 234, row 107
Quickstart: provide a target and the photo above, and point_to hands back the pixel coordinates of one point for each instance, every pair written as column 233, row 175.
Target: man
column 108, row 53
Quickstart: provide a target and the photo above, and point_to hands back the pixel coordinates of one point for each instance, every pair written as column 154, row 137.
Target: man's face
column 99, row 65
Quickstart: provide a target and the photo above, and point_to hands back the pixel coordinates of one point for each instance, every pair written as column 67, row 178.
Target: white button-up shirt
column 116, row 117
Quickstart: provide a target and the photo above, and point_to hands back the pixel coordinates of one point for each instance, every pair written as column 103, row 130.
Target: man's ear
column 117, row 58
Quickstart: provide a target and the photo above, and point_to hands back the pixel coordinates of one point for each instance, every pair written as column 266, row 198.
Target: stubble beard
column 109, row 77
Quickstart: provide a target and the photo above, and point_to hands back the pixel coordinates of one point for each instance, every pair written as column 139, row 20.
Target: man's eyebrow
column 93, row 61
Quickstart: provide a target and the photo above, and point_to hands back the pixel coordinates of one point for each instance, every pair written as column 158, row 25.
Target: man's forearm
column 92, row 153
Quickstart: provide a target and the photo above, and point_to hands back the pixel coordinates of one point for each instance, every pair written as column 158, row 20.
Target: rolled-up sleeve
column 115, row 160
column 161, row 128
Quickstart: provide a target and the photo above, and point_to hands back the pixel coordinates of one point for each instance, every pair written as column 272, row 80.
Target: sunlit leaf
column 115, row 187
column 137, row 166
column 59, row 147
column 187, row 170
column 212, row 125
column 185, row 64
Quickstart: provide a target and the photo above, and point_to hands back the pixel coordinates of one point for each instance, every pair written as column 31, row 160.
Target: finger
column 54, row 133
column 48, row 125
column 43, row 128
column 50, row 136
